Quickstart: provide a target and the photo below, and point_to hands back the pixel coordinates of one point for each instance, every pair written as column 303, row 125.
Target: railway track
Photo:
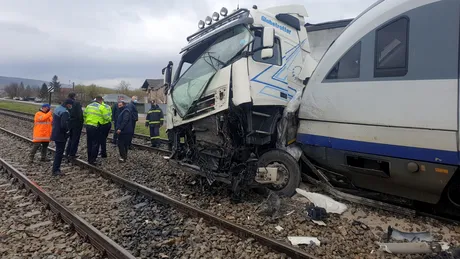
column 140, row 141
column 339, row 239
column 100, row 241
column 85, row 184
column 163, row 150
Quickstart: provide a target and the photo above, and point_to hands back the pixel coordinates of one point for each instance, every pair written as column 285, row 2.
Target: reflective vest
column 107, row 113
column 155, row 116
column 94, row 114
column 42, row 126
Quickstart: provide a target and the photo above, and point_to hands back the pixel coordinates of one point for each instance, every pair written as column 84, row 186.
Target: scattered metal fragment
column 297, row 240
column 409, row 248
column 408, row 236
column 320, row 200
column 319, row 222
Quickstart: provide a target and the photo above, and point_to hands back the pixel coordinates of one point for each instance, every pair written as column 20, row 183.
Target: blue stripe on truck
column 412, row 153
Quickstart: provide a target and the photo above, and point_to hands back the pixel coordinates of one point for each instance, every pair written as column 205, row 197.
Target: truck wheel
column 288, row 171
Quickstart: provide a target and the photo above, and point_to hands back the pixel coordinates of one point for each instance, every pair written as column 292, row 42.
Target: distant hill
column 4, row 81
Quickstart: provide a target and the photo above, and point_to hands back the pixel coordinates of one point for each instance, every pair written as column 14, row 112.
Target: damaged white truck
column 249, row 106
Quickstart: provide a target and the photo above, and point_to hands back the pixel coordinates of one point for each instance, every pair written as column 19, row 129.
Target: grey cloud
column 92, row 40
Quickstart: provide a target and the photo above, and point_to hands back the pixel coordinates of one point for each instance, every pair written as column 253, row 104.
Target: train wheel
column 288, row 171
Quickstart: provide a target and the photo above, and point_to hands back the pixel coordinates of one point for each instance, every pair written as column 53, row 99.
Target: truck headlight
column 215, row 16
column 201, row 24
column 208, row 20
column 223, row 11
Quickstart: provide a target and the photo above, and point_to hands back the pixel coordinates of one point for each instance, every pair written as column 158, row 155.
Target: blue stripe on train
column 413, row 153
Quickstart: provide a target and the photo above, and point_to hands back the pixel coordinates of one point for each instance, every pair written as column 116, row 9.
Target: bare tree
column 21, row 90
column 123, row 87
column 12, row 90
column 28, row 91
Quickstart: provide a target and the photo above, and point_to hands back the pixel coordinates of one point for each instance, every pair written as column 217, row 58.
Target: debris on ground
column 408, row 236
column 409, row 248
column 304, row 240
column 270, row 206
column 323, row 201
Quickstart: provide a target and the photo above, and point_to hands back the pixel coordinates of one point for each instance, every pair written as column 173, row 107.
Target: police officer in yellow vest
column 93, row 119
column 105, row 128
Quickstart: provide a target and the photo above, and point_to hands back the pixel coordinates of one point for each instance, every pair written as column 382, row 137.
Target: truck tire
column 288, row 165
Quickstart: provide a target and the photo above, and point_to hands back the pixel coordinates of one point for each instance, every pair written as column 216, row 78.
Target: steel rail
column 142, row 147
column 403, row 211
column 85, row 229
column 5, row 112
column 278, row 246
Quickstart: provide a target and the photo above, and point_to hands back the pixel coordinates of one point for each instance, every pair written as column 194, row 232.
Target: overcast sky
column 105, row 41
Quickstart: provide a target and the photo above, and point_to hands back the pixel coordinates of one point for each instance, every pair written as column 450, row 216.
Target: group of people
column 64, row 126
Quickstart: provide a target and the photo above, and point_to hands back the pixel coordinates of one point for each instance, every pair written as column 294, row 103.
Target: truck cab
column 236, row 76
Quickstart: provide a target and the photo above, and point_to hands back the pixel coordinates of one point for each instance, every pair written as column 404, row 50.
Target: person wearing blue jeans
column 60, row 132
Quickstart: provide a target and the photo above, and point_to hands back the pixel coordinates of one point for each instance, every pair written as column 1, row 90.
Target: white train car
column 381, row 109
column 321, row 35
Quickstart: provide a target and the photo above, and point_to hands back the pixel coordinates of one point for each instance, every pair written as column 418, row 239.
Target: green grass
column 141, row 129
column 19, row 107
column 32, row 109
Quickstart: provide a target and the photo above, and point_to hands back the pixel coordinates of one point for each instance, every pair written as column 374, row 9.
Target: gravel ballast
column 29, row 230
column 339, row 239
column 145, row 228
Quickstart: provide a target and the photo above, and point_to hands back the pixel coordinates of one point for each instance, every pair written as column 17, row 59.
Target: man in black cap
column 60, row 132
column 75, row 126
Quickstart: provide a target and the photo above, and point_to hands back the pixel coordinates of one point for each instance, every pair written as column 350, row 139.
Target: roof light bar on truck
column 241, row 13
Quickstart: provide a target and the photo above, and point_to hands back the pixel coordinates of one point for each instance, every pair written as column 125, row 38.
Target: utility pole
column 73, row 86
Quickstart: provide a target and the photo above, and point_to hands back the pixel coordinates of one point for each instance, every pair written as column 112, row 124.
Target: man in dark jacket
column 75, row 127
column 134, row 114
column 60, row 132
column 154, row 121
column 125, row 131
column 115, row 113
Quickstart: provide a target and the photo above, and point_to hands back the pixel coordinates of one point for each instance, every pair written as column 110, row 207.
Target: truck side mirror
column 268, row 40
column 268, row 37
column 167, row 72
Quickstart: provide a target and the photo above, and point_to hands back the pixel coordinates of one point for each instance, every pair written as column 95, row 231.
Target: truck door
column 267, row 78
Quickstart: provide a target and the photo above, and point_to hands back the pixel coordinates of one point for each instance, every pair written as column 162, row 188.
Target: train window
column 391, row 45
column 348, row 66
column 276, row 59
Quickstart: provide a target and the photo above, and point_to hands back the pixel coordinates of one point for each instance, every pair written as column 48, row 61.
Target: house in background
column 155, row 90
column 113, row 98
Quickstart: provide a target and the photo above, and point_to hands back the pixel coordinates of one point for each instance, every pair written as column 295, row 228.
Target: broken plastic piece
column 304, row 241
column 407, row 248
column 279, row 228
column 290, row 212
column 320, row 200
column 409, row 236
column 319, row 222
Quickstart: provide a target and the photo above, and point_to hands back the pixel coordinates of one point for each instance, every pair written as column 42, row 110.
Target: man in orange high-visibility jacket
column 42, row 132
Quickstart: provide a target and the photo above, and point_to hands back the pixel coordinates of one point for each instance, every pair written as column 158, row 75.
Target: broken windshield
column 193, row 82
